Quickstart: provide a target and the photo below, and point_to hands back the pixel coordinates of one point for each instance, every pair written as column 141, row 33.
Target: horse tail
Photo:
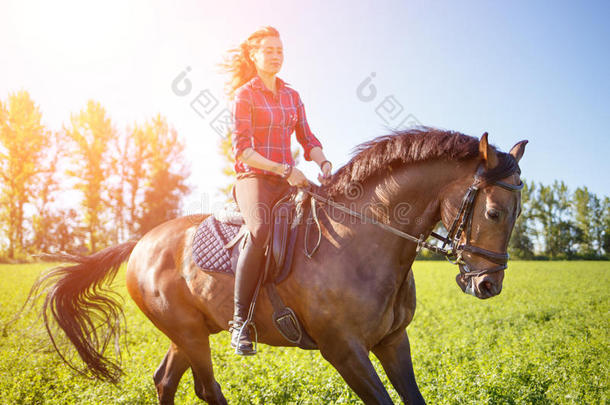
column 79, row 300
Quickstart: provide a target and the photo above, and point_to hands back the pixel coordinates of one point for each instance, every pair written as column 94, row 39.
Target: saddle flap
column 287, row 215
column 281, row 226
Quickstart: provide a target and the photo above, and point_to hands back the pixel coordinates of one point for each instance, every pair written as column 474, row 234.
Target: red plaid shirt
column 265, row 123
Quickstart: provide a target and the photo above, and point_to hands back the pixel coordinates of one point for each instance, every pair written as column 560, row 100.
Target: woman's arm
column 318, row 156
column 305, row 137
column 254, row 159
column 326, row 166
column 311, row 144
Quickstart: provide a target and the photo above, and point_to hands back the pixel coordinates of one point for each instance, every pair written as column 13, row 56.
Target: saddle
column 286, row 215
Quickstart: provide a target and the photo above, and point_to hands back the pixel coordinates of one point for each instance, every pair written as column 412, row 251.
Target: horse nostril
column 488, row 287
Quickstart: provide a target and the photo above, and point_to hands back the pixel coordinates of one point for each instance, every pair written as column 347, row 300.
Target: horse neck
column 407, row 198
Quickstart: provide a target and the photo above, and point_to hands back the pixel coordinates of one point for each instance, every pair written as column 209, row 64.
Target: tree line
column 120, row 183
column 556, row 223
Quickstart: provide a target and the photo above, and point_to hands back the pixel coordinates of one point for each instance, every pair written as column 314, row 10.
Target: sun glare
column 71, row 31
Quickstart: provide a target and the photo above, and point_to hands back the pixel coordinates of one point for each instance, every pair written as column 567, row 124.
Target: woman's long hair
column 238, row 63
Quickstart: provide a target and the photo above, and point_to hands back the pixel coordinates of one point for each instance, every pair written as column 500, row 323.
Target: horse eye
column 493, row 214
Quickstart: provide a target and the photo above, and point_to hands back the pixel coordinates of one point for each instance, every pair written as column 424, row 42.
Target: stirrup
column 233, row 325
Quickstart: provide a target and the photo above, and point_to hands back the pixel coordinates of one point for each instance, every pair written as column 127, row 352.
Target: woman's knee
column 259, row 233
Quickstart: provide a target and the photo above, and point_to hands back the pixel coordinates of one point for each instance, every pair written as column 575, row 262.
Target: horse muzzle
column 482, row 286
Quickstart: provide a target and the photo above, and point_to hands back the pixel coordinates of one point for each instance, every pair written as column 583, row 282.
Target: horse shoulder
column 404, row 306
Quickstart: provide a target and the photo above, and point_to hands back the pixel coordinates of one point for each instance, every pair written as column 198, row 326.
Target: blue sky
column 535, row 70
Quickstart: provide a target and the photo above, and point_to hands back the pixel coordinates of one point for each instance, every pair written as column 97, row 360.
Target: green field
column 545, row 339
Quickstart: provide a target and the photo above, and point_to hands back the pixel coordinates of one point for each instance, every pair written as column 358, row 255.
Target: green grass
column 545, row 339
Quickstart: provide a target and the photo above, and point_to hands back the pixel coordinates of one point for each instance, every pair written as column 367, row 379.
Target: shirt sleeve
column 304, row 135
column 242, row 133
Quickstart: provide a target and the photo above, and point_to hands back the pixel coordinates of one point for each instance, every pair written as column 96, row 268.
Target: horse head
column 480, row 231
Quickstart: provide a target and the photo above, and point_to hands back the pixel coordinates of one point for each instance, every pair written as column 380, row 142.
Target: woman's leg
column 255, row 197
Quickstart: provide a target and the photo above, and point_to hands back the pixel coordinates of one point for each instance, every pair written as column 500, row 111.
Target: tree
column 23, row 143
column 117, row 189
column 569, row 237
column 552, row 209
column 605, row 225
column 46, row 187
column 64, row 231
column 586, row 218
column 225, row 149
column 135, row 152
column 543, row 208
column 165, row 174
column 521, row 244
column 90, row 135
column 597, row 228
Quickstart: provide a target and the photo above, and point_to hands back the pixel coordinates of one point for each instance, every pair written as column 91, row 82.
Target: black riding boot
column 247, row 272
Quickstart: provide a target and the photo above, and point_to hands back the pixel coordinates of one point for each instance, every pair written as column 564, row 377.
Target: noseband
column 451, row 248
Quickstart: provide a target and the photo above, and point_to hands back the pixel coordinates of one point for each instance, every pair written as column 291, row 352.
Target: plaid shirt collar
column 257, row 83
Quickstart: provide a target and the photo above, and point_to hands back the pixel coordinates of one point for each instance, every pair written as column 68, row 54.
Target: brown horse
column 354, row 296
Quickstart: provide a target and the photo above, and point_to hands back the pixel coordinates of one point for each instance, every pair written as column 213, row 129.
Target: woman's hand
column 297, row 178
column 326, row 169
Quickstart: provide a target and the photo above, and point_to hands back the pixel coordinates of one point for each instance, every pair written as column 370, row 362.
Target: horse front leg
column 394, row 353
column 352, row 361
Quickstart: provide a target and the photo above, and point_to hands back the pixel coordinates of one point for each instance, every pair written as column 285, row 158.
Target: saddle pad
column 209, row 252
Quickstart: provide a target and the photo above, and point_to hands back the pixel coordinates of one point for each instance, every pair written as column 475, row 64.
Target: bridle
column 451, row 247
column 462, row 225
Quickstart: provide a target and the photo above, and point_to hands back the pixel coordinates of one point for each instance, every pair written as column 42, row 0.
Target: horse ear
column 518, row 150
column 487, row 153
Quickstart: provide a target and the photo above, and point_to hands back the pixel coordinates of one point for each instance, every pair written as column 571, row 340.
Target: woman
column 265, row 113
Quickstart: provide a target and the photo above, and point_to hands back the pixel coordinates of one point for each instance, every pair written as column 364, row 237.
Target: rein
column 451, row 248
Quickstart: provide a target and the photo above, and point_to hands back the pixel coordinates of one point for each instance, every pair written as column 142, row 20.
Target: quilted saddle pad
column 210, row 238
